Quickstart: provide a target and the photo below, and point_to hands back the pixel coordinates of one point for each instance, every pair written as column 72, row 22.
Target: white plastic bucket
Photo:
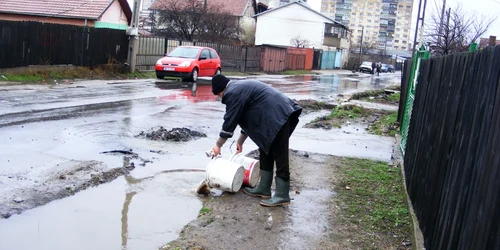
column 252, row 169
column 224, row 175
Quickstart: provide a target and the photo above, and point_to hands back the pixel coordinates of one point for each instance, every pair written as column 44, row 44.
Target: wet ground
column 76, row 176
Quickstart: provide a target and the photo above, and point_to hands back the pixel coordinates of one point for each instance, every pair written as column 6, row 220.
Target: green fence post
column 422, row 53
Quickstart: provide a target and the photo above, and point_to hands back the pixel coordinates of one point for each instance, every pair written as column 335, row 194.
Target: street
column 55, row 140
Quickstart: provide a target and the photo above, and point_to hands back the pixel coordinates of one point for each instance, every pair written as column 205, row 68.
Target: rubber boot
column 264, row 188
column 281, row 196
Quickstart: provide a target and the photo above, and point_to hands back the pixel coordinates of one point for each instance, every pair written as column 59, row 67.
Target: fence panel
column 295, row 62
column 328, row 60
column 452, row 154
column 338, row 59
column 273, row 59
column 36, row 43
column 253, row 59
column 150, row 49
column 233, row 58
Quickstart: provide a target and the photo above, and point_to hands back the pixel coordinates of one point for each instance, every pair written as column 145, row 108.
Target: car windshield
column 191, row 53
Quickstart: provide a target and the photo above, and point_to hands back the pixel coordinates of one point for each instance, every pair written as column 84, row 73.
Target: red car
column 189, row 62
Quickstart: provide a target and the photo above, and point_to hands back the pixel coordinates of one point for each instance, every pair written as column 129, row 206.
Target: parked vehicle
column 366, row 67
column 189, row 63
column 384, row 68
column 391, row 69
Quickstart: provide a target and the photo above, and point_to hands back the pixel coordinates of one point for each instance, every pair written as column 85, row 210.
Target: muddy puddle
column 118, row 215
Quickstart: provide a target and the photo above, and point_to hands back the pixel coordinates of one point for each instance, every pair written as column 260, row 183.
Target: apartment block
column 385, row 24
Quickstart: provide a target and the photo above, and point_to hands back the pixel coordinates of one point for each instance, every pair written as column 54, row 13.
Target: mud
column 313, row 105
column 60, row 185
column 175, row 134
column 379, row 96
column 312, row 221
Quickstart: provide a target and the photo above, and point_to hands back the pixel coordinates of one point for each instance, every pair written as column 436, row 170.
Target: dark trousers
column 278, row 152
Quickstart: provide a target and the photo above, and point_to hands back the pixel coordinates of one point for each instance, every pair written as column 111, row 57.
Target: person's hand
column 239, row 148
column 216, row 150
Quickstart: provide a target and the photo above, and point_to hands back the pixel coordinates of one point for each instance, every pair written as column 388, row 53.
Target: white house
column 296, row 20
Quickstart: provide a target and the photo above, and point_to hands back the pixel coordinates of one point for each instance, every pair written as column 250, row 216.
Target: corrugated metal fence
column 452, row 159
column 233, row 58
column 36, row 43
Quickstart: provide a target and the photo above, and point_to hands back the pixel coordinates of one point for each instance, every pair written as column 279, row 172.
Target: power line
column 496, row 1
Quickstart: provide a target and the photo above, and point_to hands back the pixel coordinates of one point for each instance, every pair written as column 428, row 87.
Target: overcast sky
column 489, row 8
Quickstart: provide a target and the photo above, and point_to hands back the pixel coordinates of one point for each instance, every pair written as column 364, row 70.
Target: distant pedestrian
column 269, row 118
column 379, row 68
column 374, row 66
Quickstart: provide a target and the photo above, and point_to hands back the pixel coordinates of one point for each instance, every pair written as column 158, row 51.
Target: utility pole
column 361, row 44
column 441, row 22
column 133, row 33
column 419, row 18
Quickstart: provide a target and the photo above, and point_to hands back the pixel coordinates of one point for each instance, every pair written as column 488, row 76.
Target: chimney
column 493, row 41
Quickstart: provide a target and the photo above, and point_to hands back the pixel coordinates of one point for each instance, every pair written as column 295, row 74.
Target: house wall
column 247, row 23
column 113, row 17
column 43, row 19
column 280, row 26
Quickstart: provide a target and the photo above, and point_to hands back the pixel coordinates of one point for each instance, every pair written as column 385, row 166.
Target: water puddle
column 127, row 213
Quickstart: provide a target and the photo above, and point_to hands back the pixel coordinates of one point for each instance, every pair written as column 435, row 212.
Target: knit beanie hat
column 219, row 83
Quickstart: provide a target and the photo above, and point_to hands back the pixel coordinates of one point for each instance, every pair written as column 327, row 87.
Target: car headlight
column 185, row 64
column 158, row 62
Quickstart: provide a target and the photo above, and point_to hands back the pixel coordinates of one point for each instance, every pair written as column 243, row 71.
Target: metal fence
column 452, row 159
column 36, row 43
column 233, row 58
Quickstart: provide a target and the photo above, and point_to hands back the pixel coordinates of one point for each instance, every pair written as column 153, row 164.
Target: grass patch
column 339, row 115
column 47, row 75
column 386, row 125
column 297, row 72
column 204, row 210
column 235, row 73
column 374, row 199
column 394, row 97
column 346, row 111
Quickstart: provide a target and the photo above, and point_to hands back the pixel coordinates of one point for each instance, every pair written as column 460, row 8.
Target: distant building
column 277, row 3
column 385, row 24
column 491, row 41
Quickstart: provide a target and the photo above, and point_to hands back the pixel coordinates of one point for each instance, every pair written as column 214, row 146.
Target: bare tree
column 193, row 20
column 299, row 42
column 459, row 29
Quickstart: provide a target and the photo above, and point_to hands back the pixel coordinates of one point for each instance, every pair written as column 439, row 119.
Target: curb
column 417, row 236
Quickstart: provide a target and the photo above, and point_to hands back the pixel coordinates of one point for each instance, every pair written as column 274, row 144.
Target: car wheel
column 194, row 75
column 217, row 72
column 159, row 76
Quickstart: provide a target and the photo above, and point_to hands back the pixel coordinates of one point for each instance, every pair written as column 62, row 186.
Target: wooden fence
column 452, row 159
column 36, row 43
column 233, row 58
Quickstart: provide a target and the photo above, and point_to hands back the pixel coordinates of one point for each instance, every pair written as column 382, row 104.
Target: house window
column 404, row 42
column 396, row 41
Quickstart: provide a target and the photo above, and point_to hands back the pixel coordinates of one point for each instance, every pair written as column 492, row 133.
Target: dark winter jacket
column 259, row 109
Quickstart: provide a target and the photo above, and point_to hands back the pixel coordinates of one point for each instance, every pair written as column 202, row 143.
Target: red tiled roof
column 233, row 7
column 81, row 9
